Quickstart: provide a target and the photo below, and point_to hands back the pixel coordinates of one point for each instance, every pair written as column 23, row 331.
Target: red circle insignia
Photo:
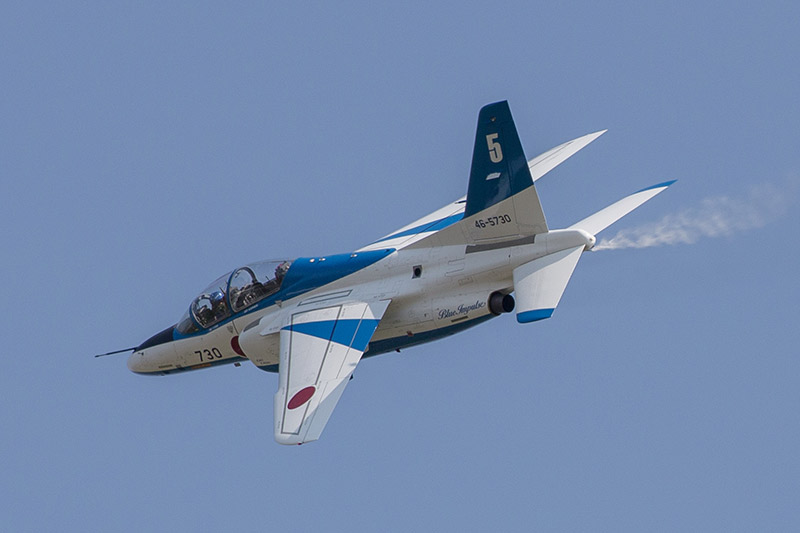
column 236, row 347
column 301, row 397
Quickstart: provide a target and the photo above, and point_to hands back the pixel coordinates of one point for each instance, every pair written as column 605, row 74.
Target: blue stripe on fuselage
column 436, row 225
column 308, row 273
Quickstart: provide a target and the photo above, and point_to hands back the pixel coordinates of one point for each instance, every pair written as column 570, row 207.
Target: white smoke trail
column 722, row 216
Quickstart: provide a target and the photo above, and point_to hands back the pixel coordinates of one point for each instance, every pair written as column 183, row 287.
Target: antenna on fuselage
column 116, row 352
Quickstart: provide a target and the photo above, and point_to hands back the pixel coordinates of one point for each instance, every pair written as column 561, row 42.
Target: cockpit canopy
column 233, row 293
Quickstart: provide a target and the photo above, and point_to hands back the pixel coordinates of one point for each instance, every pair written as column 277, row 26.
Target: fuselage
column 435, row 292
column 312, row 319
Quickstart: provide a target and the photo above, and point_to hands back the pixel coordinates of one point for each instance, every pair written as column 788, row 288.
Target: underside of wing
column 319, row 350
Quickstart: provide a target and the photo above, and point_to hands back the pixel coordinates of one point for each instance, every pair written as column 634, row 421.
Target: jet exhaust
column 720, row 216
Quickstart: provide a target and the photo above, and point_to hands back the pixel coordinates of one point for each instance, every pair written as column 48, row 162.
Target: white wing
column 544, row 163
column 605, row 217
column 319, row 351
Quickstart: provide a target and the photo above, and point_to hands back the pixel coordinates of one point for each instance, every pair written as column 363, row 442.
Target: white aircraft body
column 312, row 319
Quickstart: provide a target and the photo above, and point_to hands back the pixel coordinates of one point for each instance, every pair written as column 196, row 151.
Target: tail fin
column 502, row 203
column 499, row 168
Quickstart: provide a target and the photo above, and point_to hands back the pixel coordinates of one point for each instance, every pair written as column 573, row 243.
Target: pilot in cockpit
column 233, row 293
column 281, row 270
column 219, row 306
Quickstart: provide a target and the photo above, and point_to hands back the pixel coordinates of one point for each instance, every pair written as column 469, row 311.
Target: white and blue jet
column 312, row 319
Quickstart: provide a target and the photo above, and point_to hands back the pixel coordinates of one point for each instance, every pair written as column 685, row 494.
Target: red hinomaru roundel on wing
column 301, row 397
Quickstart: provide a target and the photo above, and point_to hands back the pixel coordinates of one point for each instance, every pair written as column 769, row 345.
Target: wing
column 605, row 217
column 319, row 351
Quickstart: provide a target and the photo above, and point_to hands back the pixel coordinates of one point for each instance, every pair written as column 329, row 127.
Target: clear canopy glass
column 232, row 293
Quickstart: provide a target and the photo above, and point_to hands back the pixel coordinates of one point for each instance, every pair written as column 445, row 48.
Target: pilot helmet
column 217, row 297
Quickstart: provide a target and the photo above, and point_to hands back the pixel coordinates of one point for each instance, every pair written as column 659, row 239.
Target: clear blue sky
column 147, row 148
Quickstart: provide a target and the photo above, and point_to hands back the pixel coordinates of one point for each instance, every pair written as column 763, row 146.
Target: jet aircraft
column 312, row 319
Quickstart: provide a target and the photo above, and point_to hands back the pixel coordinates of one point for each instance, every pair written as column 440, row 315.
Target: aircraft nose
column 137, row 363
column 145, row 357
column 159, row 338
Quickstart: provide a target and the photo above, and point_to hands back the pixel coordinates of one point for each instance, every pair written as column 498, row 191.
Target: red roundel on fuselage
column 236, row 347
column 301, row 397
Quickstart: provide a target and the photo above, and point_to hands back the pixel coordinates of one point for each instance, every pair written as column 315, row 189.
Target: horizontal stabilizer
column 605, row 217
column 538, row 285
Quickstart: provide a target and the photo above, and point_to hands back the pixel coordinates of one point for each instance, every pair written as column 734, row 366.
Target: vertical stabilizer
column 502, row 204
column 499, row 168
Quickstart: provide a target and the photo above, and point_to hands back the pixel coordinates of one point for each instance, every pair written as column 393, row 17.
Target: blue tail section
column 502, row 206
column 499, row 168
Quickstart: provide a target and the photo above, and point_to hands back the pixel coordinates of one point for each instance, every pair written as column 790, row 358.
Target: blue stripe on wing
column 354, row 333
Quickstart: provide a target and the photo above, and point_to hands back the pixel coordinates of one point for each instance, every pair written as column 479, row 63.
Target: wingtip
column 662, row 185
column 590, row 137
